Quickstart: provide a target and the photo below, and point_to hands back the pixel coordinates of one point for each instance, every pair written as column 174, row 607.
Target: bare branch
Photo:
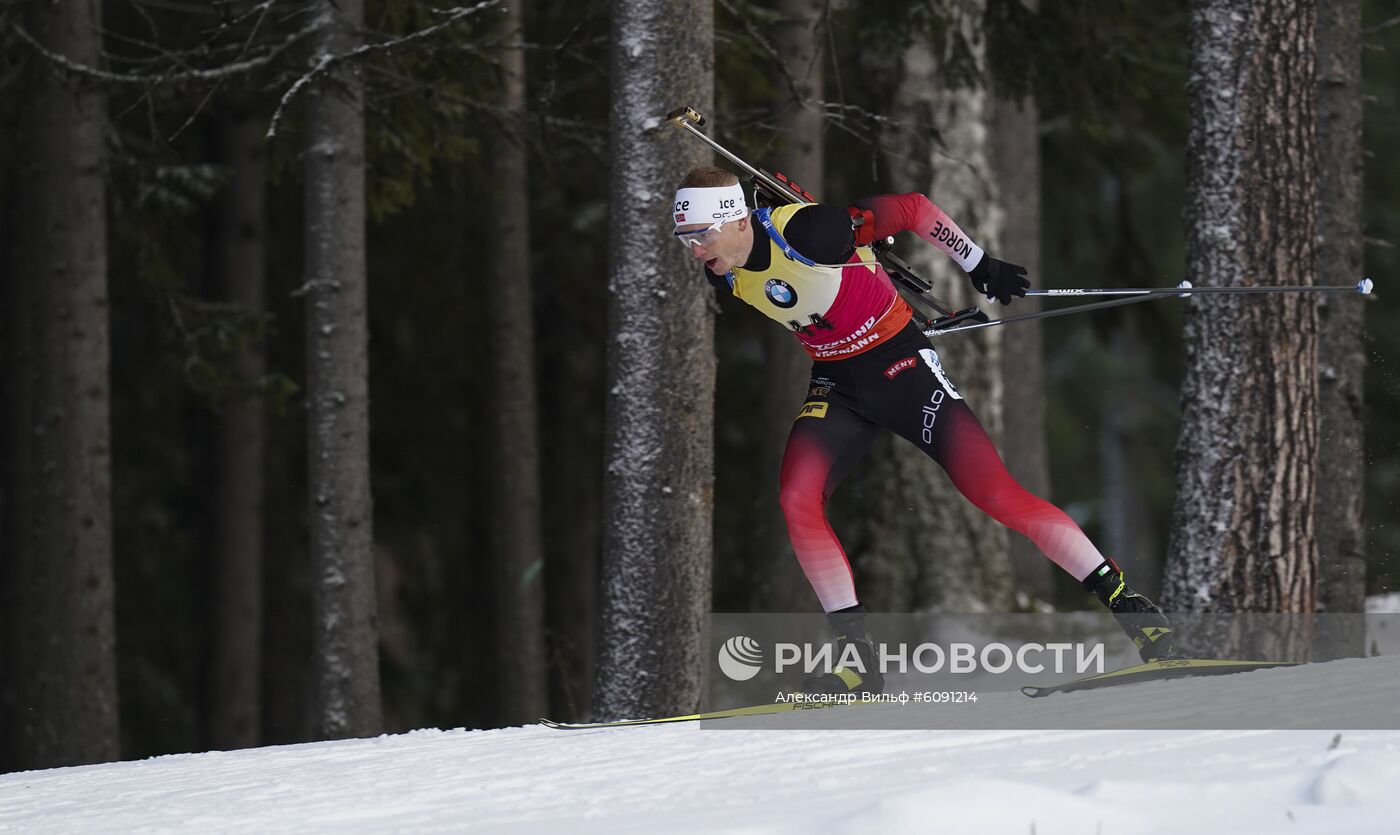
column 261, row 10
column 324, row 63
column 320, row 67
column 769, row 49
column 194, row 114
column 207, row 49
column 213, row 74
column 1384, row 24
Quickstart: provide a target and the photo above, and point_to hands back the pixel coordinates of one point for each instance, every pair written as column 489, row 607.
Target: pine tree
column 658, row 488
column 1243, row 532
column 1341, row 474
column 59, row 679
column 518, row 550
column 238, row 264
column 345, row 640
column 1015, row 159
column 797, row 105
column 925, row 546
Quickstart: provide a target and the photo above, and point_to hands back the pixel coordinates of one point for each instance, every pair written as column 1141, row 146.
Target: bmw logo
column 780, row 293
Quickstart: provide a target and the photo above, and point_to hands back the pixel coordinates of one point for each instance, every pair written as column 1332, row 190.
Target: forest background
column 197, row 101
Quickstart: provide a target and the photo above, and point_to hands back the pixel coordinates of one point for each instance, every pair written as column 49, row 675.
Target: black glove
column 1001, row 279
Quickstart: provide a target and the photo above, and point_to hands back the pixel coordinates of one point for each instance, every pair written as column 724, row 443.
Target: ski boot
column 1139, row 617
column 850, row 629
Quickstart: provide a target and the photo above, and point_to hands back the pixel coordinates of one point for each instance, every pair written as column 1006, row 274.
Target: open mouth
column 710, row 264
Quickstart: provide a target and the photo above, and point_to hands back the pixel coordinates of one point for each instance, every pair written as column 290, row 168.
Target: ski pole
column 1183, row 290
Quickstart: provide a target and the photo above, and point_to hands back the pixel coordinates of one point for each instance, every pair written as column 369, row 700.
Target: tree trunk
column 346, row 653
column 288, row 680
column 658, row 488
column 518, row 559
column 1341, row 357
column 60, row 678
column 238, row 266
column 573, row 492
column 797, row 36
column 1015, row 151
column 922, row 545
column 1243, row 536
column 1124, row 521
column 9, row 218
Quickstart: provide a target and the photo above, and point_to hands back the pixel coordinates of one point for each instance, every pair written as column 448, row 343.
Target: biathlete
column 810, row 268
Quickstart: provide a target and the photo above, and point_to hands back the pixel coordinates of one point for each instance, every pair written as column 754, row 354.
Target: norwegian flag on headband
column 680, row 217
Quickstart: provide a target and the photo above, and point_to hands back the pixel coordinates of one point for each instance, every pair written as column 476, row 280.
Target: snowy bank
column 692, row 779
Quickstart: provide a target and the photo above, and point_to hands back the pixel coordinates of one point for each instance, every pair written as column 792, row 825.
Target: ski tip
column 1365, row 286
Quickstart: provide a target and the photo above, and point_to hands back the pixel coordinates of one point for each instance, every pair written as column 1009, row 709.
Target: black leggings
column 899, row 385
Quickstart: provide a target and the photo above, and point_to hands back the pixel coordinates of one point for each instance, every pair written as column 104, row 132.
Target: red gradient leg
column 924, row 408
column 972, row 462
column 821, row 451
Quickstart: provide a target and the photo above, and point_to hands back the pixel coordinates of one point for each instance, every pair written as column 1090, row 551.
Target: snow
column 1384, row 603
column 688, row 778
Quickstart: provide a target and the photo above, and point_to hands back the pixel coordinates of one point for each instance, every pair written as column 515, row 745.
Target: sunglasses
column 700, row 237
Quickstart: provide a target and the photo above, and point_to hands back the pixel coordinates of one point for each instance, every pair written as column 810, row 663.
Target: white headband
column 707, row 205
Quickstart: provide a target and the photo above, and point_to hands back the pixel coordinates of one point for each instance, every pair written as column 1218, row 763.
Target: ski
column 735, row 712
column 1151, row 671
column 1156, row 671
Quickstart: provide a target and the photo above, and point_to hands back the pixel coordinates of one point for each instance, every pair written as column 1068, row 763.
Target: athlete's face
column 726, row 250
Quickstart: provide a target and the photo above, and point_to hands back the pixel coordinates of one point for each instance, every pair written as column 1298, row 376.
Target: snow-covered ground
column 685, row 778
column 1383, row 603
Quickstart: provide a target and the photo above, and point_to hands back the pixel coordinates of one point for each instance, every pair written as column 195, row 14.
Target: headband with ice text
column 710, row 205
